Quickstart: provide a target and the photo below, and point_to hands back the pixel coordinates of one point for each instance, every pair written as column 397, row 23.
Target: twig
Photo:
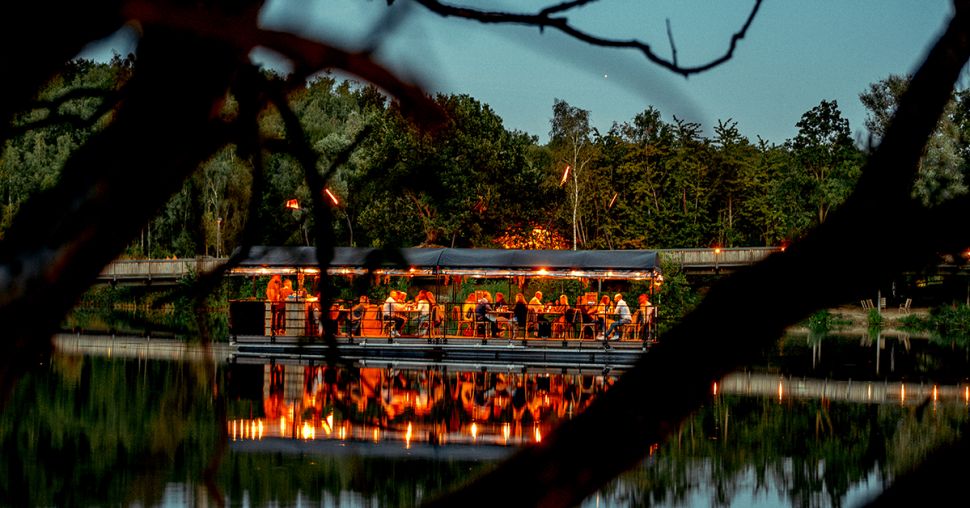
column 543, row 19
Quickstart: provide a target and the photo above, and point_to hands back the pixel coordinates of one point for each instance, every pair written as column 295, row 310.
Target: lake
column 136, row 422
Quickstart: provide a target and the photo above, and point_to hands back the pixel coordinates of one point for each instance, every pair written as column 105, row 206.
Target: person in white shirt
column 622, row 312
column 392, row 312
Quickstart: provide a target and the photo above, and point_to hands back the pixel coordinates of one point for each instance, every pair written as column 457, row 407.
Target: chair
column 355, row 325
column 464, row 321
column 591, row 325
column 387, row 324
column 506, row 327
column 560, row 328
column 531, row 322
column 634, row 327
column 905, row 307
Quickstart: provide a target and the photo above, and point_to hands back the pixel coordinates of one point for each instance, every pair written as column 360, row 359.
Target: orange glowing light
column 538, row 434
column 565, row 175
column 717, row 250
column 902, row 393
column 333, row 199
column 935, row 394
column 407, row 437
column 715, row 388
column 307, row 432
column 474, row 430
column 542, row 271
column 506, row 431
column 293, row 204
column 780, row 391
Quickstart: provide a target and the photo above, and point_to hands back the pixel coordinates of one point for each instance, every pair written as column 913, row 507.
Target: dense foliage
column 645, row 183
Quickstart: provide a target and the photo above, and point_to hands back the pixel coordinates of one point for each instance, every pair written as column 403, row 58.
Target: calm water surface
column 112, row 423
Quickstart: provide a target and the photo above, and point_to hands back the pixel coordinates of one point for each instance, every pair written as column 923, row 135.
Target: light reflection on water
column 130, row 429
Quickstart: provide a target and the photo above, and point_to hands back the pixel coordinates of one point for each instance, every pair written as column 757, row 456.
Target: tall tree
column 570, row 139
column 827, row 159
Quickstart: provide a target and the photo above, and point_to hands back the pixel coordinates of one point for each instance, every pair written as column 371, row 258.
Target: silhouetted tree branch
column 545, row 18
column 36, row 38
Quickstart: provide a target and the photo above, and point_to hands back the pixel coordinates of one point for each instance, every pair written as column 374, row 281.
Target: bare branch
column 673, row 46
column 564, row 6
column 543, row 19
column 109, row 99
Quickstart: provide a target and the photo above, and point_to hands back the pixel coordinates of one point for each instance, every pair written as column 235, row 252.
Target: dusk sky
column 795, row 55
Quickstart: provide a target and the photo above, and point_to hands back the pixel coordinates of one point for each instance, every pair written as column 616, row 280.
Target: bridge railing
column 157, row 269
column 717, row 258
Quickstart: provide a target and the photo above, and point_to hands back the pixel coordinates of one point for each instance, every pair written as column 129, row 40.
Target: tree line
column 644, row 183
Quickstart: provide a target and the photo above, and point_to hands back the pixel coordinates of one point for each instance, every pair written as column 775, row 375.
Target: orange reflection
column 415, row 406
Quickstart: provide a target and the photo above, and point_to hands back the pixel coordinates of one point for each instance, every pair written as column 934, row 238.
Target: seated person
column 500, row 303
column 587, row 314
column 603, row 310
column 483, row 314
column 392, row 312
column 644, row 315
column 520, row 310
column 622, row 317
column 357, row 315
column 536, row 305
column 424, row 311
column 565, row 321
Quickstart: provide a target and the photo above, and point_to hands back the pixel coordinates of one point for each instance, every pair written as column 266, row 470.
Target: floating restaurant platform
column 454, row 282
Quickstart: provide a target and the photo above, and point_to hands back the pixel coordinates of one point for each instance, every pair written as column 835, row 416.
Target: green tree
column 942, row 166
column 827, row 161
column 736, row 175
column 570, row 140
column 65, row 119
column 457, row 184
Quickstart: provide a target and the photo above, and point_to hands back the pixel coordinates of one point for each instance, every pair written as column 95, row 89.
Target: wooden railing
column 715, row 260
column 163, row 271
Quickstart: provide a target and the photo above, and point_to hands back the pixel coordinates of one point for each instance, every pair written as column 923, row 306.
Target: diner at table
column 600, row 313
column 565, row 321
column 484, row 315
column 622, row 312
column 393, row 310
column 423, row 308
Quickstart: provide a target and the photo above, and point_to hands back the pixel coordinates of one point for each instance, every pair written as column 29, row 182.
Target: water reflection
column 130, row 429
column 433, row 406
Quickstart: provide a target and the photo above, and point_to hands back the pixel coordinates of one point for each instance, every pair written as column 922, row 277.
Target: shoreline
column 857, row 321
